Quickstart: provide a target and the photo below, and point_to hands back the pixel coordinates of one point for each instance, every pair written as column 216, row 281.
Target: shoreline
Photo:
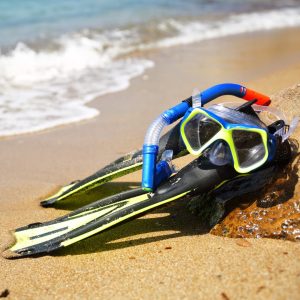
column 154, row 55
column 163, row 255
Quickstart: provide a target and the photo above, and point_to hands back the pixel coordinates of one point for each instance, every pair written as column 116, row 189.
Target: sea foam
column 46, row 88
column 195, row 31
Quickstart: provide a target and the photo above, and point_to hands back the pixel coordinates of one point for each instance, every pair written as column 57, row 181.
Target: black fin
column 199, row 176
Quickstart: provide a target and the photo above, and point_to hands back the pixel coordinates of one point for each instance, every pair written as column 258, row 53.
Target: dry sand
column 164, row 255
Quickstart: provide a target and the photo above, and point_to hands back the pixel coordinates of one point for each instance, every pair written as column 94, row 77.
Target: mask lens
column 220, row 154
column 199, row 130
column 249, row 146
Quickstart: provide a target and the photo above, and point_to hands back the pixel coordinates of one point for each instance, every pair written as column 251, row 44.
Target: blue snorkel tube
column 150, row 147
column 154, row 173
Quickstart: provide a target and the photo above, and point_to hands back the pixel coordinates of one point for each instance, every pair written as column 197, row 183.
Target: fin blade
column 93, row 181
column 82, row 224
column 58, row 194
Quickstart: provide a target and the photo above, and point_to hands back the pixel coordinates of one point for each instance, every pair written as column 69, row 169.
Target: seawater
column 58, row 55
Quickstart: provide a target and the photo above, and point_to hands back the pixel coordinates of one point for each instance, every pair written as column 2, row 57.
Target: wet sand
column 163, row 255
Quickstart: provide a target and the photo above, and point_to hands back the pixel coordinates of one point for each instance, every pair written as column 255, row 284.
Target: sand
column 163, row 255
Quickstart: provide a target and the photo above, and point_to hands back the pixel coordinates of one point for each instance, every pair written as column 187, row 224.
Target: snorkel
column 150, row 147
column 154, row 173
column 232, row 89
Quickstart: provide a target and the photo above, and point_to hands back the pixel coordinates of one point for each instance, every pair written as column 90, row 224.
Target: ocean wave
column 44, row 87
column 195, row 31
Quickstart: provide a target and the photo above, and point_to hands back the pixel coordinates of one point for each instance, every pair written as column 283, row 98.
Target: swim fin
column 127, row 164
column 199, row 176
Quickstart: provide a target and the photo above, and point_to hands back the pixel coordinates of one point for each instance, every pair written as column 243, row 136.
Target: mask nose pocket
column 220, row 154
